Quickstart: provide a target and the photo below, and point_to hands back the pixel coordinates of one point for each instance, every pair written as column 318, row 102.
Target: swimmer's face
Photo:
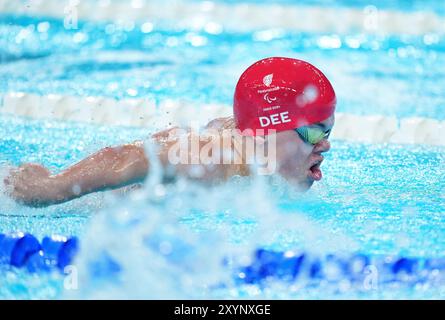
column 298, row 161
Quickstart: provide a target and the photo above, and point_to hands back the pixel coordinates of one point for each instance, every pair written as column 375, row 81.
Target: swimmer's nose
column 322, row 146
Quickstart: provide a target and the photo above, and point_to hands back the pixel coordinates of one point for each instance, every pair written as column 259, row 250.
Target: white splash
column 169, row 241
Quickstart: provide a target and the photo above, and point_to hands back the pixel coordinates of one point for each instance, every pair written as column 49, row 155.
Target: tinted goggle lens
column 312, row 135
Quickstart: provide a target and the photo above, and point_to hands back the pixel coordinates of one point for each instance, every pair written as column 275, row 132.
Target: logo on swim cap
column 267, row 80
column 301, row 95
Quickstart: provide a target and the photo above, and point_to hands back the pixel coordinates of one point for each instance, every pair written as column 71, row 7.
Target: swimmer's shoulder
column 221, row 123
column 138, row 143
column 171, row 134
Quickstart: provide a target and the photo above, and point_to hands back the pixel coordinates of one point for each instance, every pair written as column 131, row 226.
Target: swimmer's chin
column 306, row 185
column 300, row 185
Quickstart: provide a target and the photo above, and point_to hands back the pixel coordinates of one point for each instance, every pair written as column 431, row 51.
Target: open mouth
column 314, row 171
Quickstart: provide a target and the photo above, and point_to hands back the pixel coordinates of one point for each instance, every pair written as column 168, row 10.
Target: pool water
column 377, row 199
column 404, row 6
column 369, row 72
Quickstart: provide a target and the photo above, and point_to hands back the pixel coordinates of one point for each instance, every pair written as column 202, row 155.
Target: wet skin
column 296, row 157
column 116, row 167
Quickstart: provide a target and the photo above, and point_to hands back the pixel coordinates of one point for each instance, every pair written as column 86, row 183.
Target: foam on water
column 56, row 145
column 8, row 205
column 375, row 199
column 188, row 241
column 170, row 241
column 151, row 246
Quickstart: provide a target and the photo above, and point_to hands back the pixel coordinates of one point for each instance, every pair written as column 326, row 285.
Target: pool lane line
column 144, row 113
column 213, row 17
column 54, row 253
column 24, row 250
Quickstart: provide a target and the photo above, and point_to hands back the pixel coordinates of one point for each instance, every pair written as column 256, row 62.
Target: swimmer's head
column 294, row 100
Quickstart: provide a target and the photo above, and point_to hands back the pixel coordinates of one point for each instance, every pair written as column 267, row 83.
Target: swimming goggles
column 312, row 135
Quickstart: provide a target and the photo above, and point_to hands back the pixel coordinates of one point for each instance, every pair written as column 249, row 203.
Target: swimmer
column 284, row 98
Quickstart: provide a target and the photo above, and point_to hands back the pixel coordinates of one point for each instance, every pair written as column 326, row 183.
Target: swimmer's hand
column 32, row 185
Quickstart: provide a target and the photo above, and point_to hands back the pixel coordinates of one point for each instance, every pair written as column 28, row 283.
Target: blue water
column 397, row 5
column 379, row 199
column 56, row 145
column 369, row 184
column 370, row 73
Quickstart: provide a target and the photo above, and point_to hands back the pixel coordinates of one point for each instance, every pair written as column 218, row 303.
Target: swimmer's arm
column 109, row 168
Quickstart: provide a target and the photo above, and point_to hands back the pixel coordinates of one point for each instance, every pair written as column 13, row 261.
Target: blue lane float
column 356, row 268
column 16, row 249
column 55, row 253
column 25, row 251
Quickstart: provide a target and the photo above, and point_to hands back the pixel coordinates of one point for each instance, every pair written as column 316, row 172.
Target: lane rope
column 145, row 113
column 212, row 16
column 24, row 251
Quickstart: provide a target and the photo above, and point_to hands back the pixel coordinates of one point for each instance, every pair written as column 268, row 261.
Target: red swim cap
column 282, row 94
